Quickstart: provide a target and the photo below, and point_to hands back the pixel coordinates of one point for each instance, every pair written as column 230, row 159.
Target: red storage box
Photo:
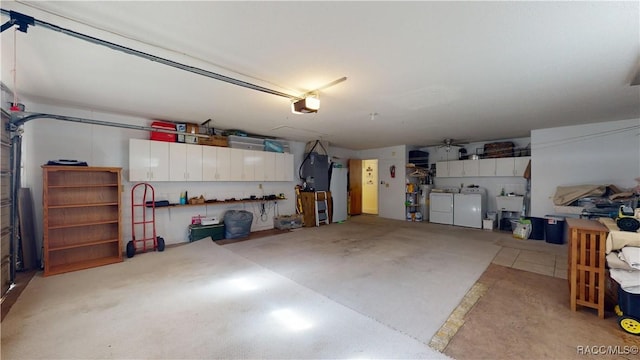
column 160, row 136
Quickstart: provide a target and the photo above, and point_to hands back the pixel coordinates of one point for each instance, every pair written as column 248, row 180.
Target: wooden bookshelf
column 82, row 217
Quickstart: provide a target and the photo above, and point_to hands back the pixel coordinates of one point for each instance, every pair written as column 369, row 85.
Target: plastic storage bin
column 197, row 232
column 537, row 228
column 554, row 229
column 161, row 136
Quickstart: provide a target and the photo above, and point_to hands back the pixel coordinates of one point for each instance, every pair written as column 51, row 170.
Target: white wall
column 391, row 191
column 47, row 139
column 600, row 153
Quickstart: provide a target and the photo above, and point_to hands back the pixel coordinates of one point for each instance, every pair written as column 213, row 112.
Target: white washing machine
column 441, row 206
column 470, row 207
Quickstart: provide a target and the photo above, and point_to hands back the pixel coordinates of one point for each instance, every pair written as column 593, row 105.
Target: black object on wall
column 315, row 172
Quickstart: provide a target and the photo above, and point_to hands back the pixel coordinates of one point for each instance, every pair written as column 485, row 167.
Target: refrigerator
column 338, row 187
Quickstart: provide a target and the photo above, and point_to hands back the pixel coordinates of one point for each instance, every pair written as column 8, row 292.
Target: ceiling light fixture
column 309, row 104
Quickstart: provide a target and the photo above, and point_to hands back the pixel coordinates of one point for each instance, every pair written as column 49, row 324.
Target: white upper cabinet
column 520, row 165
column 185, row 162
column 216, row 163
column 456, row 168
column 470, row 167
column 151, row 160
column 504, row 167
column 442, row 169
column 514, row 166
column 148, row 160
column 269, row 166
column 487, row 167
column 284, row 167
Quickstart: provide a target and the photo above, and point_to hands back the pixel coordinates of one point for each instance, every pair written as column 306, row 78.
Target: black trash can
column 537, row 228
column 554, row 229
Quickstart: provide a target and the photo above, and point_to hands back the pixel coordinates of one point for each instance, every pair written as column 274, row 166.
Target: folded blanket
column 618, row 239
column 631, row 256
column 629, row 280
column 615, row 262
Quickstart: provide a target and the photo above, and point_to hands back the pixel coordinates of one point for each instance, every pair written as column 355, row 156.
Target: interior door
column 355, row 187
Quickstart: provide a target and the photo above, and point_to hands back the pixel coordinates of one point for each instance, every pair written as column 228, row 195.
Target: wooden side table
column 587, row 241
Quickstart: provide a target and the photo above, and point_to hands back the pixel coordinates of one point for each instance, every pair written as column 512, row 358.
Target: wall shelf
column 229, row 202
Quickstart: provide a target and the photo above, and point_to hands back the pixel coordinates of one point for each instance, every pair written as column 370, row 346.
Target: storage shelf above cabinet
column 74, row 246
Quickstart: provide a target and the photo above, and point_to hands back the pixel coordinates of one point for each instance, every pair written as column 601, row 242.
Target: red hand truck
column 146, row 224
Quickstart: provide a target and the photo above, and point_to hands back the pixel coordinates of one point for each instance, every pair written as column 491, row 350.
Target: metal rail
column 23, row 21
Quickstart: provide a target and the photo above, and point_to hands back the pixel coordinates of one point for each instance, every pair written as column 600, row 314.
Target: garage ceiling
column 478, row 71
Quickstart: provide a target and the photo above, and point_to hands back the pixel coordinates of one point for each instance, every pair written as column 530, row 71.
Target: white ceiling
column 431, row 70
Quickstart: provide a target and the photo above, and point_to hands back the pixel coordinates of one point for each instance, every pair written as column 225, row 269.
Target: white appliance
column 470, row 207
column 338, row 187
column 441, row 206
column 424, row 192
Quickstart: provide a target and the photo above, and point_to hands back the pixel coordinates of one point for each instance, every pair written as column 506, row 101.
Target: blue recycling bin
column 554, row 229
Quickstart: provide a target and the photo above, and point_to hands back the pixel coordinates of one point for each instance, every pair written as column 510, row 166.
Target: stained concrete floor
column 524, row 315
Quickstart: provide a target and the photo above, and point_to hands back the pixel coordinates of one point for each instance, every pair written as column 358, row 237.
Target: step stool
column 322, row 215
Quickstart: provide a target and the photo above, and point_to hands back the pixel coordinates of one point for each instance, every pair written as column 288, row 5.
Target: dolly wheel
column 629, row 324
column 160, row 242
column 131, row 249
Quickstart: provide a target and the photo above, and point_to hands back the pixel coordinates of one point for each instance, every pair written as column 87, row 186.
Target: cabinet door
column 209, row 163
column 504, row 167
column 223, row 164
column 520, row 165
column 194, row 162
column 442, row 169
column 284, row 167
column 249, row 159
column 471, row 168
column 258, row 159
column 138, row 160
column 178, row 161
column 486, row 167
column 456, row 168
column 158, row 160
column 269, row 166
column 236, row 165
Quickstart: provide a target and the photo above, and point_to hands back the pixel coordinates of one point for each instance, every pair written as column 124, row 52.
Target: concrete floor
column 305, row 270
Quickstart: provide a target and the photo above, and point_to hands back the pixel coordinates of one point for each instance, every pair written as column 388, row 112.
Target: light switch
column 386, row 185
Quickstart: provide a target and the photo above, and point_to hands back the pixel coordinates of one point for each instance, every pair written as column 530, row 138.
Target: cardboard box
column 214, row 140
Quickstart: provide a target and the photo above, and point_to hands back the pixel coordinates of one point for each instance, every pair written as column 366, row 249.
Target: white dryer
column 441, row 206
column 470, row 207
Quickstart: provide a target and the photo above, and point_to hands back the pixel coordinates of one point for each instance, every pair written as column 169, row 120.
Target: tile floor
column 545, row 259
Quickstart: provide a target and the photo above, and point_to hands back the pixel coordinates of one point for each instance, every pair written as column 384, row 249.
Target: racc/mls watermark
column 607, row 350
